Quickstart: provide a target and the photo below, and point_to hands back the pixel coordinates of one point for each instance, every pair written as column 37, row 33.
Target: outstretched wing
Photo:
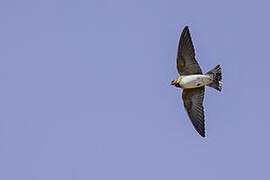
column 186, row 62
column 193, row 102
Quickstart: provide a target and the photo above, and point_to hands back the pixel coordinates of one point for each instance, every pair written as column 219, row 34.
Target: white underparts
column 195, row 81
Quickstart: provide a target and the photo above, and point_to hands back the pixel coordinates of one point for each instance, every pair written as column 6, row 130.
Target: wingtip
column 186, row 28
column 202, row 134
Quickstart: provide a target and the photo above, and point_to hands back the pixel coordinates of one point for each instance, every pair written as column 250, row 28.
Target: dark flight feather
column 186, row 62
column 193, row 102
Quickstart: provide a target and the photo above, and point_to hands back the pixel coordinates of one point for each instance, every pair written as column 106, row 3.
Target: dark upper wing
column 193, row 102
column 186, row 62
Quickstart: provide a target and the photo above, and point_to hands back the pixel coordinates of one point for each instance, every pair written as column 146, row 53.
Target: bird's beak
column 172, row 83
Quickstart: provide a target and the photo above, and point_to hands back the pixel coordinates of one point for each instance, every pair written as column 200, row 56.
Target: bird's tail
column 217, row 77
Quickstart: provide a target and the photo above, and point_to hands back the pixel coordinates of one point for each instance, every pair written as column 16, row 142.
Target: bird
column 193, row 81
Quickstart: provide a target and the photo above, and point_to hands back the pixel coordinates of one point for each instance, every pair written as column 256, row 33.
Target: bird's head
column 176, row 82
column 173, row 82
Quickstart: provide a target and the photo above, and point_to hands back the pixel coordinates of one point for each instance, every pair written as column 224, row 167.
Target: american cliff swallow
column 193, row 81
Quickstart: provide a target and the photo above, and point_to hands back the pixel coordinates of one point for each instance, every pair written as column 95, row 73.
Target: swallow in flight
column 193, row 81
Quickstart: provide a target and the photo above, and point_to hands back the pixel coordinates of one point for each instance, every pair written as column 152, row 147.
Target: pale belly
column 195, row 81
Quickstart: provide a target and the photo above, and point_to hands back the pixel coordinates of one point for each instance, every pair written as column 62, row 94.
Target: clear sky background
column 85, row 90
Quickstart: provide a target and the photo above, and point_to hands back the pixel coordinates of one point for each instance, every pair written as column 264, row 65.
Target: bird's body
column 193, row 81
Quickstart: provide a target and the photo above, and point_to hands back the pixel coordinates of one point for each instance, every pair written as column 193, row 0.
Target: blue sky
column 85, row 90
